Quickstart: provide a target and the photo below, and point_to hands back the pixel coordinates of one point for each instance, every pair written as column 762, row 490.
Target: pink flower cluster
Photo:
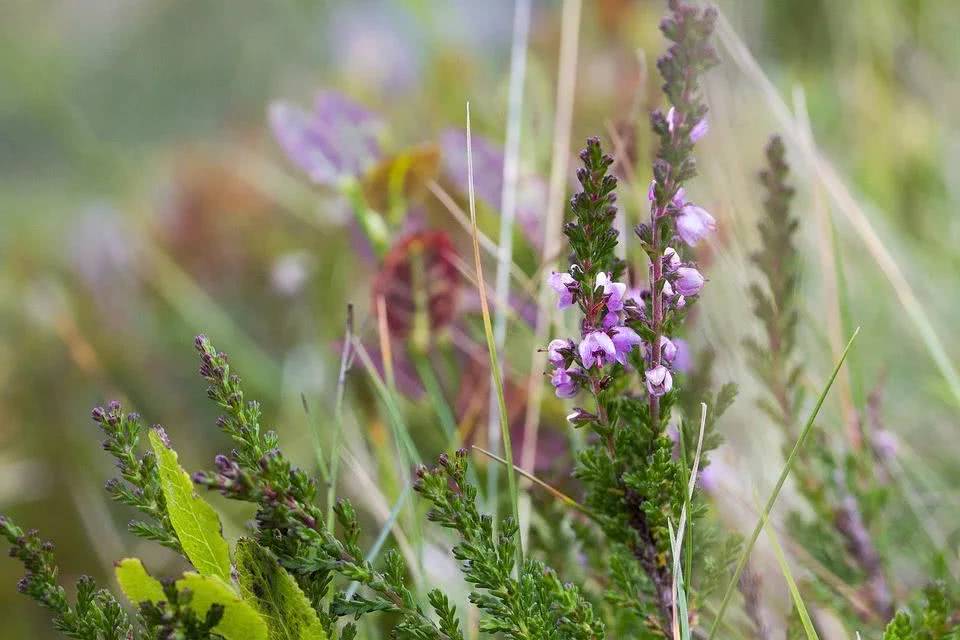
column 605, row 338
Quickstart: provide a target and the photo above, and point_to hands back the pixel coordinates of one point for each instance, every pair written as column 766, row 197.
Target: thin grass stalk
column 508, row 209
column 346, row 357
column 808, row 627
column 497, row 380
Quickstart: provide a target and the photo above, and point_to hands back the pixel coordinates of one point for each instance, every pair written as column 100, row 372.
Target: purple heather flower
column 611, row 320
column 671, row 260
column 597, row 348
column 689, row 282
column 559, row 350
column 693, row 223
column 615, row 291
column 699, row 130
column 679, row 198
column 337, row 139
column 565, row 385
column 562, row 283
column 652, row 190
column 682, row 360
column 659, row 380
column 667, row 290
column 624, row 340
column 668, row 350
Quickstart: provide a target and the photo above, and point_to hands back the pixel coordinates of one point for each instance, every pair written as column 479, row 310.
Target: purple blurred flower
column 699, row 130
column 659, row 380
column 688, row 282
column 611, row 319
column 565, row 385
column 682, row 359
column 693, row 223
column 671, row 261
column 614, row 290
column 624, row 340
column 338, row 139
column 597, row 348
column 488, row 180
column 564, row 285
column 679, row 198
column 559, row 350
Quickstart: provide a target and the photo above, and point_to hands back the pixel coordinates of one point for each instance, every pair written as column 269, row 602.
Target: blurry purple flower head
column 611, row 319
column 559, row 351
column 671, row 261
column 668, row 350
column 564, row 285
column 564, row 384
column 668, row 292
column 688, row 282
column 884, row 444
column 337, row 140
column 682, row 359
column 614, row 290
column 659, row 380
column 597, row 349
column 693, row 223
column 679, row 198
column 699, row 130
column 624, row 340
column 488, row 180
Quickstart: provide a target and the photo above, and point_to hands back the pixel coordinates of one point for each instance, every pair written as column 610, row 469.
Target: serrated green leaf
column 276, row 595
column 138, row 585
column 196, row 523
column 240, row 620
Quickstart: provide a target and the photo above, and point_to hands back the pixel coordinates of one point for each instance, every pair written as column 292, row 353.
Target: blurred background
column 149, row 192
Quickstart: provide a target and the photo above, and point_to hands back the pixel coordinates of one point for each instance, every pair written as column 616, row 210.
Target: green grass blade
column 741, row 563
column 794, row 591
column 491, row 346
column 345, row 359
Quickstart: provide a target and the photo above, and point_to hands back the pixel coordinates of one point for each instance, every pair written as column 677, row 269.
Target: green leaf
column 240, row 620
column 138, row 585
column 798, row 604
column 276, row 595
column 196, row 523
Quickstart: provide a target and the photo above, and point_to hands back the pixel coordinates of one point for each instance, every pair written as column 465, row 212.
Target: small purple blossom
column 693, row 223
column 679, row 198
column 564, row 285
column 611, row 319
column 614, row 290
column 659, row 380
column 564, row 384
column 688, row 282
column 559, row 350
column 699, row 130
column 682, row 360
column 671, row 260
column 597, row 348
column 624, row 340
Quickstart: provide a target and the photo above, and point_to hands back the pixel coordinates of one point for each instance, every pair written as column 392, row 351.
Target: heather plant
column 647, row 554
